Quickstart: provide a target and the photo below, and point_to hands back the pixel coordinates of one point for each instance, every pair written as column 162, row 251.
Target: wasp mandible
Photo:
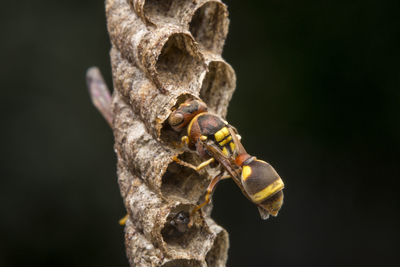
column 216, row 141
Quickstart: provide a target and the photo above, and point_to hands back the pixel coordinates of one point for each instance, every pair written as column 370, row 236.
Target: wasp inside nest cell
column 218, row 143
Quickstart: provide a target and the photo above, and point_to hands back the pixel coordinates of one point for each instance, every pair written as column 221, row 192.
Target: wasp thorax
column 263, row 185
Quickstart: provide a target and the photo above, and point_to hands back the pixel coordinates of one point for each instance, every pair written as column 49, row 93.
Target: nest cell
column 218, row 253
column 186, row 240
column 182, row 183
column 179, row 65
column 165, row 11
column 209, row 26
column 183, row 263
column 176, row 232
column 218, row 86
column 154, row 8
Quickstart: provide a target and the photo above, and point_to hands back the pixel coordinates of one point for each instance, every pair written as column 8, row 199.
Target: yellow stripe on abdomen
column 268, row 191
column 246, row 172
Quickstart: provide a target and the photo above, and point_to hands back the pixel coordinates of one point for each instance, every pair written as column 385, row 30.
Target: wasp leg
column 123, row 220
column 183, row 163
column 204, row 164
column 210, row 190
column 225, row 177
column 185, row 140
column 196, row 168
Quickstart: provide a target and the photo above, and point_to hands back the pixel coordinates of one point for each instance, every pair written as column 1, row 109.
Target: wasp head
column 186, row 111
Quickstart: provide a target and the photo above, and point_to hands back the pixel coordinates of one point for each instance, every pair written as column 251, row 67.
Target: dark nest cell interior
column 178, row 236
column 216, row 83
column 157, row 7
column 209, row 26
column 176, row 232
column 186, row 240
column 184, row 183
column 219, row 247
column 168, row 8
column 177, row 65
column 182, row 263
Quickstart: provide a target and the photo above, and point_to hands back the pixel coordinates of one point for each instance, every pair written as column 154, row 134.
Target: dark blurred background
column 317, row 96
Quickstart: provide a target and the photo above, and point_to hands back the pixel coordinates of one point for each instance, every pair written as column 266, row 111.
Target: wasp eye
column 175, row 119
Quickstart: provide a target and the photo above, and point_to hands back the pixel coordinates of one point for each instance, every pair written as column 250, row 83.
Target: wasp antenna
column 99, row 93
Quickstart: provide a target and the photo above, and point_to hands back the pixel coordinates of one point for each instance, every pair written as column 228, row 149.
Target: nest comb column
column 164, row 52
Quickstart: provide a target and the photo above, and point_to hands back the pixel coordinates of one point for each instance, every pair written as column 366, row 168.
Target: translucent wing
column 227, row 163
column 99, row 93
column 239, row 147
column 241, row 151
column 264, row 214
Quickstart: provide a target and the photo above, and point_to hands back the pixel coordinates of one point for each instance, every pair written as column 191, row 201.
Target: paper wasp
column 218, row 142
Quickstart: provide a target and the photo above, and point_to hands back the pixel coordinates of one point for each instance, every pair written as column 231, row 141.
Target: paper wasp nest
column 163, row 52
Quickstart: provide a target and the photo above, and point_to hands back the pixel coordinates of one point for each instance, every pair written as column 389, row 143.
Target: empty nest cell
column 178, row 65
column 153, row 8
column 165, row 11
column 183, row 263
column 218, row 86
column 182, row 183
column 218, row 253
column 209, row 26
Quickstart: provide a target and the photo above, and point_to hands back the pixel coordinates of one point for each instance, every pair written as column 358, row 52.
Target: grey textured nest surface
column 163, row 52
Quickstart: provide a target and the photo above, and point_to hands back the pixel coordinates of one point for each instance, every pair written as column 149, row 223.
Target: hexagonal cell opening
column 182, row 263
column 178, row 65
column 181, row 238
column 218, row 83
column 183, row 183
column 219, row 252
column 209, row 26
column 176, row 232
column 163, row 9
column 154, row 8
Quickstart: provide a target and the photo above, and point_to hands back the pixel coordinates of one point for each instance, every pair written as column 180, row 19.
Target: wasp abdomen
column 260, row 180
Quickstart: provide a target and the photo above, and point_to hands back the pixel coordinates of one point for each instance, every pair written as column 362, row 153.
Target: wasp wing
column 239, row 147
column 264, row 214
column 227, row 163
column 240, row 151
